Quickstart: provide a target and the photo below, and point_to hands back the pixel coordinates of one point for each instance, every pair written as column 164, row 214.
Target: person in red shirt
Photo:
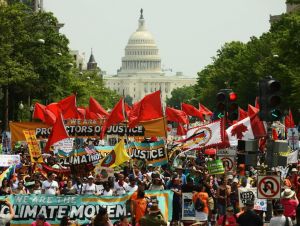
column 229, row 219
column 40, row 221
column 289, row 202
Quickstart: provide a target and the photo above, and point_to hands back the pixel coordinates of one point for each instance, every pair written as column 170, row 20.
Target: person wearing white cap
column 289, row 202
column 90, row 187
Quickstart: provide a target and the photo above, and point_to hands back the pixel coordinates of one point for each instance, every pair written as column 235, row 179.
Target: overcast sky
column 187, row 33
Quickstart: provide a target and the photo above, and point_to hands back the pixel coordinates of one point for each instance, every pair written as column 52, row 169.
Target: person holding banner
column 4, row 218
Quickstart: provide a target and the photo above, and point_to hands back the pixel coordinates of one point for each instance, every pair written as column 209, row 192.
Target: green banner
column 79, row 207
column 215, row 167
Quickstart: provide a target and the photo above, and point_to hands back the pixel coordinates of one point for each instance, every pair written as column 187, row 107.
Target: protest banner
column 85, row 129
column 104, row 172
column 153, row 153
column 78, row 207
column 33, row 146
column 188, row 209
column 9, row 160
column 251, row 194
column 215, row 167
column 64, row 147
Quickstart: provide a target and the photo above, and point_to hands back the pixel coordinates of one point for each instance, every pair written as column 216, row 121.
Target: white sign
column 251, row 194
column 228, row 162
column 226, row 152
column 268, row 187
column 9, row 160
column 188, row 210
column 293, row 138
column 65, row 145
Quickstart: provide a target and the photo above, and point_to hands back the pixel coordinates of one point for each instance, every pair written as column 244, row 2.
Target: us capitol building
column 141, row 72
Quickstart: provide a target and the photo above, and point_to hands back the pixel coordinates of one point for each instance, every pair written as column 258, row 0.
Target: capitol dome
column 141, row 53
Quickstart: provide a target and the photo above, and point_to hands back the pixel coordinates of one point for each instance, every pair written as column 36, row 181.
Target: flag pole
column 126, row 132
column 163, row 114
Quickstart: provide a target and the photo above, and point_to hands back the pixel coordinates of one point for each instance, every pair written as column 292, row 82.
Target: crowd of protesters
column 215, row 198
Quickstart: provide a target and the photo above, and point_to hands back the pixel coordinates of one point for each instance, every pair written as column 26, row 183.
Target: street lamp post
column 31, row 111
column 21, row 107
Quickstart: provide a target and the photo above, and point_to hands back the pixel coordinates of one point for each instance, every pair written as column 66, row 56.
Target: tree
column 184, row 94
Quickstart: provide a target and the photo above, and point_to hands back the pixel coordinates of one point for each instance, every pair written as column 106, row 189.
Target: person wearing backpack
column 279, row 219
column 200, row 200
column 229, row 219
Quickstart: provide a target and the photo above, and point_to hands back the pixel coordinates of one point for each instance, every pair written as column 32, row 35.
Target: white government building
column 141, row 71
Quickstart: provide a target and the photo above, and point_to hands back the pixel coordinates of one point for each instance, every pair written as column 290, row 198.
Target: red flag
column 58, row 133
column 191, row 110
column 90, row 115
column 181, row 131
column 204, row 110
column 175, row 115
column 274, row 134
column 116, row 116
column 95, row 107
column 242, row 114
column 147, row 109
column 68, row 107
column 127, row 108
column 257, row 103
column 43, row 113
column 38, row 112
column 54, row 108
column 289, row 121
column 81, row 112
column 252, row 110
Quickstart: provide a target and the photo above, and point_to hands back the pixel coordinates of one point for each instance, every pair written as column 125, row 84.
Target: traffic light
column 226, row 104
column 233, row 113
column 269, row 99
column 221, row 103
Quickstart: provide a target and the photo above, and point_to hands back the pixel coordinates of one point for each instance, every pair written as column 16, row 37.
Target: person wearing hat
column 50, row 186
column 40, row 221
column 154, row 217
column 249, row 217
column 229, row 219
column 279, row 219
column 182, row 176
column 90, row 187
column 289, row 202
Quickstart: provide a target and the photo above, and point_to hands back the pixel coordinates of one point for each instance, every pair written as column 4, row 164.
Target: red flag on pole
column 58, row 132
column 181, row 130
column 205, row 110
column 257, row 103
column 116, row 116
column 175, row 115
column 289, row 121
column 147, row 109
column 252, row 110
column 242, row 114
column 191, row 110
column 39, row 111
column 68, row 107
column 95, row 107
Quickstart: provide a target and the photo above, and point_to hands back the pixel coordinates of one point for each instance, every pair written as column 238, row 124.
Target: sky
column 188, row 33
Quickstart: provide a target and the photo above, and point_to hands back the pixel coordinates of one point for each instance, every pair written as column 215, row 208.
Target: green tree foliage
column 241, row 65
column 35, row 62
column 185, row 94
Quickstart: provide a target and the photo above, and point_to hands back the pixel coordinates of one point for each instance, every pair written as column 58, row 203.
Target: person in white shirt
column 279, row 219
column 107, row 190
column 90, row 187
column 50, row 186
column 120, row 187
column 132, row 187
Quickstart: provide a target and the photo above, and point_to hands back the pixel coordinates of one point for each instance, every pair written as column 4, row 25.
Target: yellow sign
column 33, row 146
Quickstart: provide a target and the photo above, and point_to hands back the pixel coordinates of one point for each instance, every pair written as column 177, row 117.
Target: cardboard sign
column 33, row 147
column 188, row 209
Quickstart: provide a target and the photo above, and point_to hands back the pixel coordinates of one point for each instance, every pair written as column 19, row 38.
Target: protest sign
column 188, row 209
column 64, row 147
column 78, row 207
column 9, row 160
column 251, row 194
column 215, row 167
column 33, row 146
column 153, row 153
column 6, row 142
column 104, row 172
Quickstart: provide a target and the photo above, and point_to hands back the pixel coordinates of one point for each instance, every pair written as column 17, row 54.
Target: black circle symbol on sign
column 269, row 184
column 227, row 163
